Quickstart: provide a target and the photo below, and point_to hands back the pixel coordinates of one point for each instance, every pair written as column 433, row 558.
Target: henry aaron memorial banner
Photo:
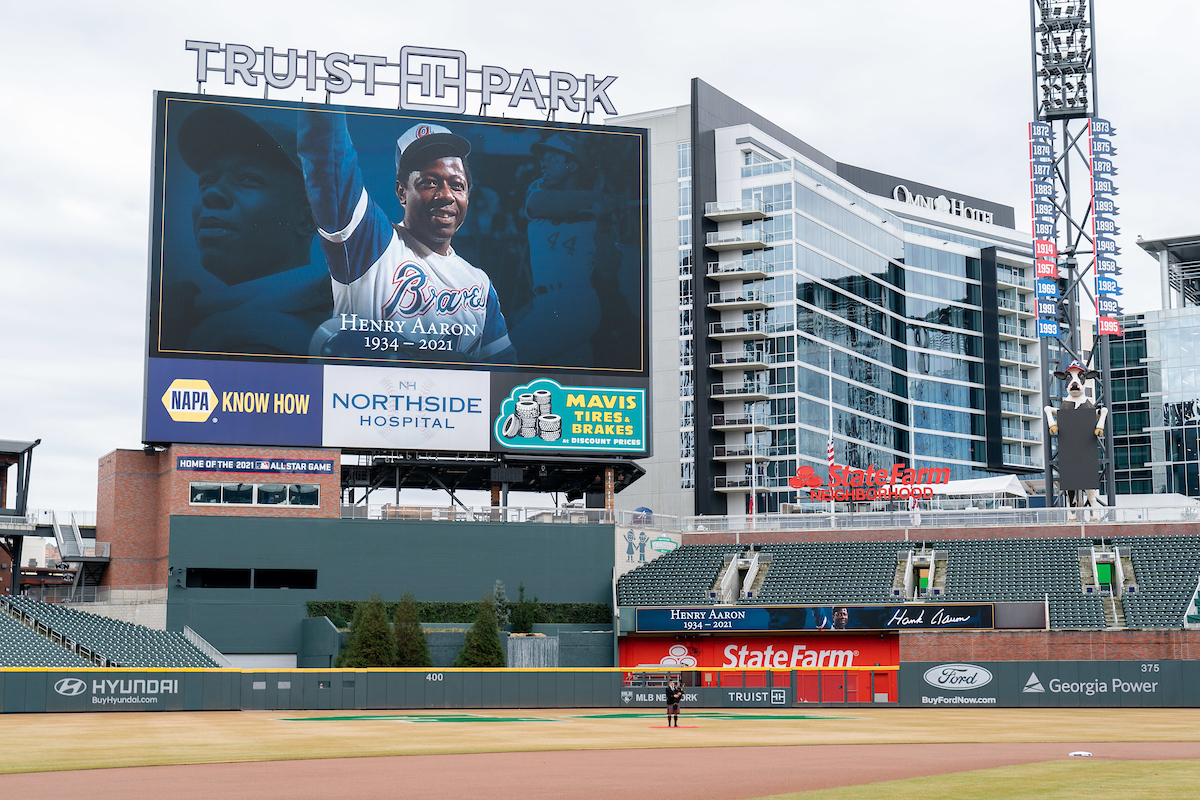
column 926, row 616
column 302, row 256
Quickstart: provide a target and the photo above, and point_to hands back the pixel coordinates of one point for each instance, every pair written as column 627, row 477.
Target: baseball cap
column 213, row 131
column 424, row 142
column 557, row 143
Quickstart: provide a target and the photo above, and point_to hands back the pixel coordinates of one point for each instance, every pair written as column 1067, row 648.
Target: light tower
column 1071, row 191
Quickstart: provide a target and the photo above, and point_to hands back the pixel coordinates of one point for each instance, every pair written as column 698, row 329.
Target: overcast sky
column 936, row 91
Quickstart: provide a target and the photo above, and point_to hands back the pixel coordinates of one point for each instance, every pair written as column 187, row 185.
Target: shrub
column 412, row 649
column 502, row 604
column 525, row 612
column 371, row 642
column 481, row 647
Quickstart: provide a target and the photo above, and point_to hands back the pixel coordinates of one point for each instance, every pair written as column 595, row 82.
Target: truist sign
column 428, row 78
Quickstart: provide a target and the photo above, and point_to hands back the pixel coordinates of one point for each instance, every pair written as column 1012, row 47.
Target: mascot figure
column 1078, row 423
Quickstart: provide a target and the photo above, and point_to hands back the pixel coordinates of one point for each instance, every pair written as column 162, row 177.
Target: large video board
column 374, row 279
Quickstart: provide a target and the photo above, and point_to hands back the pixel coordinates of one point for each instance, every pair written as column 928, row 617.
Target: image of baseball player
column 674, row 695
column 399, row 291
column 562, row 234
column 253, row 230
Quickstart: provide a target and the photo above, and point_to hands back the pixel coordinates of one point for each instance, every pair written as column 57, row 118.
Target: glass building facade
column 1156, row 403
column 818, row 302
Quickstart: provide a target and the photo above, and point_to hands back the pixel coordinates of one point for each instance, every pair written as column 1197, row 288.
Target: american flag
column 829, row 452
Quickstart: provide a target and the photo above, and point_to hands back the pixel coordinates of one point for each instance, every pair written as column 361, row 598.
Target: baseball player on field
column 399, row 291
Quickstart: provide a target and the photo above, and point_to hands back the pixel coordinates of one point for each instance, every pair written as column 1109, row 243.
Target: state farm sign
column 872, row 483
column 823, row 651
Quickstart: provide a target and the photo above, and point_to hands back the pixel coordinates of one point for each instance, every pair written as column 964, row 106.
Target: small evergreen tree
column 348, row 651
column 525, row 613
column 412, row 649
column 482, row 648
column 502, row 604
column 371, row 641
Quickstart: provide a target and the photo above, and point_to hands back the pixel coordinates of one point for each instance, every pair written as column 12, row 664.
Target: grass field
column 1050, row 780
column 34, row 742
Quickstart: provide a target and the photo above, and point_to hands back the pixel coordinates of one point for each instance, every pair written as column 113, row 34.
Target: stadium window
column 206, row 493
column 218, row 578
column 237, row 493
column 272, row 494
column 300, row 494
column 285, row 579
column 266, row 494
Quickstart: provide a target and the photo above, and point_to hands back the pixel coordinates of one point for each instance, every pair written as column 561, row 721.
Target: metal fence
column 127, row 595
column 953, row 514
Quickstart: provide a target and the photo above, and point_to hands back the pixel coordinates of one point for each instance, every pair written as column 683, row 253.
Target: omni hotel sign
column 428, row 78
column 946, row 205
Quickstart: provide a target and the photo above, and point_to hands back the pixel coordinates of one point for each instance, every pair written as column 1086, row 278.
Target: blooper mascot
column 1078, row 423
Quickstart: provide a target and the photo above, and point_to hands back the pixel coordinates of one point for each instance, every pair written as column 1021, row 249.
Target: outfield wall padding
column 1051, row 684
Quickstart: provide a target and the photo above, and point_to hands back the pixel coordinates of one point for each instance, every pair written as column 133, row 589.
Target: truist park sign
column 428, row 78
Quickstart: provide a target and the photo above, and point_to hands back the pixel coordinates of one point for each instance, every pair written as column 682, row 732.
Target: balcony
column 735, row 210
column 751, row 238
column 1017, row 408
column 1019, row 434
column 738, row 300
column 751, row 360
column 753, row 391
column 1017, row 357
column 739, row 422
column 1018, row 383
column 1012, row 279
column 1014, row 305
column 1022, row 461
column 1012, row 330
column 731, row 483
column 745, row 329
column 747, row 269
column 739, row 452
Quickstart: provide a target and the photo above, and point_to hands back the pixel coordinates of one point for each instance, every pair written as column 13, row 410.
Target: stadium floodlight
column 1062, row 33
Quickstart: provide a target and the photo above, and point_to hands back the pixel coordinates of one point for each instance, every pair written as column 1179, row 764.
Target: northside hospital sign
column 429, row 78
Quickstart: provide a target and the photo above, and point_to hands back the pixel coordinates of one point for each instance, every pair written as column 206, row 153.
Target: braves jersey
column 560, row 251
column 390, row 291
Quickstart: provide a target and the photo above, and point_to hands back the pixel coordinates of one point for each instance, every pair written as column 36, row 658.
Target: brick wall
column 1050, row 645
column 137, row 494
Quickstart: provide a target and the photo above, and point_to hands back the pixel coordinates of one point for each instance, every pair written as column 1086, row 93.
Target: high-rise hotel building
column 795, row 297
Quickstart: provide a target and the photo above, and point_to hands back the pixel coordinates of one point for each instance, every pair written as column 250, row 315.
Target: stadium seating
column 22, row 647
column 976, row 570
column 1016, row 570
column 680, row 577
column 120, row 642
column 1166, row 568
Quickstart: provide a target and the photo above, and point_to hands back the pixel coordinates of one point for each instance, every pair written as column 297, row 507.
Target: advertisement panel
column 355, row 248
column 760, row 652
column 926, row 616
column 1050, row 684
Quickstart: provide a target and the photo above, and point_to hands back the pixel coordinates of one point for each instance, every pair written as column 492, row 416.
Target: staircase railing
column 203, row 646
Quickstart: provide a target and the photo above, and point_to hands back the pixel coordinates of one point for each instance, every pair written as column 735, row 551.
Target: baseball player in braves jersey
column 562, row 256
column 399, row 291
